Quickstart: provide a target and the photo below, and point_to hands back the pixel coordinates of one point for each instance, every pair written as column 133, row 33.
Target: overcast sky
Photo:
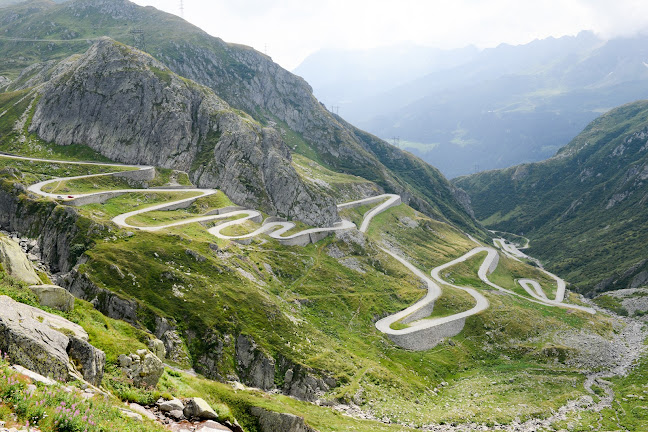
column 290, row 30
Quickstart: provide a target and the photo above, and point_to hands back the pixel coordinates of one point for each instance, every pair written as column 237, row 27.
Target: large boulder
column 47, row 344
column 87, row 359
column 15, row 262
column 54, row 296
column 49, row 320
column 198, row 408
column 270, row 421
column 171, row 405
column 31, row 343
column 143, row 367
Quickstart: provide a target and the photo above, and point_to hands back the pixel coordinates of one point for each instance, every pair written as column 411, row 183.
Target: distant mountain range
column 477, row 110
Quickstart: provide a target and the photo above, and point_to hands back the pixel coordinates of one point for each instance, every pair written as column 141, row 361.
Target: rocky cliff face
column 251, row 81
column 131, row 108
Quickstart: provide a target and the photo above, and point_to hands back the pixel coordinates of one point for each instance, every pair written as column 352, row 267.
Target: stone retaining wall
column 426, row 339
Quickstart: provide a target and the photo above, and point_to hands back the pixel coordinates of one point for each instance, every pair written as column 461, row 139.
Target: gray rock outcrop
column 53, row 296
column 31, row 343
column 15, row 262
column 143, row 367
column 200, row 409
column 271, row 421
column 33, row 338
column 87, row 360
column 257, row 369
column 132, row 108
column 254, row 367
column 157, row 347
column 175, row 347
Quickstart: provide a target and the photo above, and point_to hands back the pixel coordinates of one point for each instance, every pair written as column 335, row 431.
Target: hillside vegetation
column 312, row 310
column 584, row 209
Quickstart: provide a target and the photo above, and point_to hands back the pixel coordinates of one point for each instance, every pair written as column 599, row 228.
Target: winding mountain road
column 413, row 328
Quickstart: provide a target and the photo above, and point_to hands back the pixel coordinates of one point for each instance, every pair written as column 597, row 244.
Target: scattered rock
column 212, row 426
column 353, row 264
column 177, row 415
column 195, row 255
column 143, row 411
column 130, row 414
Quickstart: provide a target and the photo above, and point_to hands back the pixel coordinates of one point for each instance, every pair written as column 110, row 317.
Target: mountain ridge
column 590, row 197
column 246, row 80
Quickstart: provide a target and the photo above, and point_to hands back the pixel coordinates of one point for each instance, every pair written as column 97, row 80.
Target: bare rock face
column 254, row 367
column 87, row 359
column 15, row 262
column 33, row 338
column 131, row 108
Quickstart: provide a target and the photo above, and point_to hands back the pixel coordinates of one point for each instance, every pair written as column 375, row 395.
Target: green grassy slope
column 584, row 209
column 316, row 310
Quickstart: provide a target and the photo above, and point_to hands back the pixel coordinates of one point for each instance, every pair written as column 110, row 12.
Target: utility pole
column 396, row 142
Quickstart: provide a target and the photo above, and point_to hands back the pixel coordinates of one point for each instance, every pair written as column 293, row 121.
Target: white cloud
column 292, row 29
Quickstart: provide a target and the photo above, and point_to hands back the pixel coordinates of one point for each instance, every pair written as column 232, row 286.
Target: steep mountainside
column 585, row 208
column 243, row 77
column 131, row 108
